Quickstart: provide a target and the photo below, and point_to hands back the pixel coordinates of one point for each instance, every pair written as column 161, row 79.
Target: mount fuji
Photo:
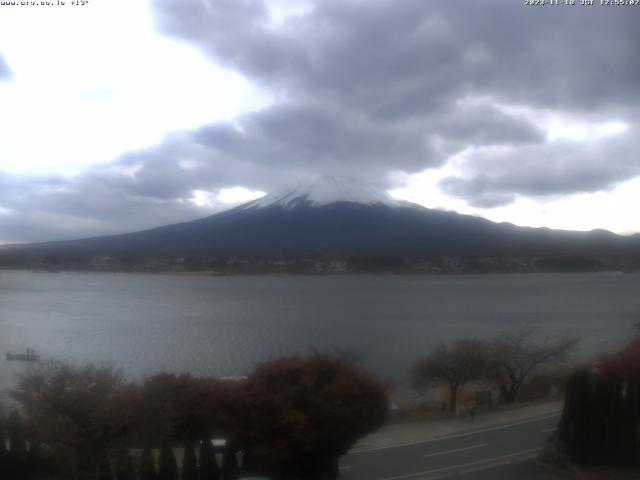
column 337, row 216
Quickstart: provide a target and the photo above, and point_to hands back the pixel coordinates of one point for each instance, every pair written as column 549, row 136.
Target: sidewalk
column 405, row 431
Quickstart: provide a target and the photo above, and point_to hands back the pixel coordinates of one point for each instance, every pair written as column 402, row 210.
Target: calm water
column 224, row 325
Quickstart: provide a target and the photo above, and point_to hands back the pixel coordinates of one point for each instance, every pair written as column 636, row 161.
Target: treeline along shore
column 316, row 264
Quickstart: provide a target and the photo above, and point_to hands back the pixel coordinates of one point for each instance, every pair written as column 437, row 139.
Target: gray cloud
column 493, row 178
column 366, row 88
column 92, row 204
column 486, row 125
column 394, row 59
column 392, row 78
column 310, row 137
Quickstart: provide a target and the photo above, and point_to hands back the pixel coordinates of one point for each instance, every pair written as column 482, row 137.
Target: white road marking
column 494, row 465
column 548, row 430
column 455, row 435
column 483, row 467
column 345, row 467
column 463, row 465
column 456, row 450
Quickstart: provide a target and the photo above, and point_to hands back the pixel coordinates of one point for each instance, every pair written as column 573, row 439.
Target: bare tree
column 519, row 353
column 75, row 410
column 464, row 361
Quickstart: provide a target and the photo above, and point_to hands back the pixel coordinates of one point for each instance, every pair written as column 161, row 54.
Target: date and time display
column 586, row 3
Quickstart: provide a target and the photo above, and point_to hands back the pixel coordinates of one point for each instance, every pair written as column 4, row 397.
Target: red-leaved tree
column 301, row 414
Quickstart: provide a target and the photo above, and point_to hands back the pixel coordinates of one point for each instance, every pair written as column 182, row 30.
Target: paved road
column 498, row 452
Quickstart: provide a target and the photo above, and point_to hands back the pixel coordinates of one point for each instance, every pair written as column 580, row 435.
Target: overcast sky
column 125, row 114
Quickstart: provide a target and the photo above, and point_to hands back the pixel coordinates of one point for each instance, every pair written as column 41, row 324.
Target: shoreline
column 215, row 273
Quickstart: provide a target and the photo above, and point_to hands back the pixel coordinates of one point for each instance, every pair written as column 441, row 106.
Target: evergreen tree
column 36, row 461
column 103, row 468
column 17, row 447
column 608, row 421
column 189, row 462
column 576, row 423
column 124, row 464
column 209, row 469
column 147, row 464
column 17, row 436
column 331, row 469
column 3, row 445
column 629, row 433
column 12, row 465
column 636, row 416
column 250, row 467
column 167, row 466
column 230, row 468
column 4, row 457
column 624, row 367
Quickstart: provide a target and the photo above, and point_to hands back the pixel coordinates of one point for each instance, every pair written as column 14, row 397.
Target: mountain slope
column 338, row 216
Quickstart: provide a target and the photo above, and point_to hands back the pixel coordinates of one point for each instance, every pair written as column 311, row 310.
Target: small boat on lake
column 28, row 356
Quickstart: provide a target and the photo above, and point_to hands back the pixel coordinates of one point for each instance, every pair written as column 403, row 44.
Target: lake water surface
column 225, row 325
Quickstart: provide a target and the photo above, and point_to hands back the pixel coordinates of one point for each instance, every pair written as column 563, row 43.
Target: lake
column 225, row 325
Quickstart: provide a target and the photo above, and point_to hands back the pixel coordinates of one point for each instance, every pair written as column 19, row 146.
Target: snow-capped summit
column 325, row 190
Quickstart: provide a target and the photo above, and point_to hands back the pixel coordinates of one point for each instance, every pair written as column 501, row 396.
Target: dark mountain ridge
column 320, row 219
